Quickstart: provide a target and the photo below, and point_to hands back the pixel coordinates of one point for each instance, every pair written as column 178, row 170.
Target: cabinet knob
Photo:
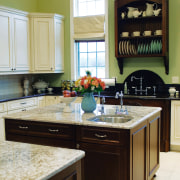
column 14, row 69
column 77, row 146
column 11, row 69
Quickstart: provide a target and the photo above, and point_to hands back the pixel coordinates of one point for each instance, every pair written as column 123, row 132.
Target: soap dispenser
column 125, row 88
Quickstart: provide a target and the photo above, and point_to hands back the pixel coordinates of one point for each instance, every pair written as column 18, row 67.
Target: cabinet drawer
column 20, row 104
column 39, row 129
column 102, row 135
column 3, row 107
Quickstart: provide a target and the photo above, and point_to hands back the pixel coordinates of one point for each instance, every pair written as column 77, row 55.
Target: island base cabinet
column 103, row 162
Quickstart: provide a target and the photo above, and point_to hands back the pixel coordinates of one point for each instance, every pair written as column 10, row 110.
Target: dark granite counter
column 11, row 97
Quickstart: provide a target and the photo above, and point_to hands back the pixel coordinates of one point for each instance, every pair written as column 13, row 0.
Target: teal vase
column 88, row 104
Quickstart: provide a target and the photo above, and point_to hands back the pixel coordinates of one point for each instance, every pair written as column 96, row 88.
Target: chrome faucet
column 102, row 106
column 121, row 111
column 141, row 90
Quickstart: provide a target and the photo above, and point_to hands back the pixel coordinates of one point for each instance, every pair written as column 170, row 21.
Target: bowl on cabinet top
column 40, row 85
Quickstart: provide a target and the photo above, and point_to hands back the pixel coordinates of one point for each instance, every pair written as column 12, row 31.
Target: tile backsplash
column 12, row 84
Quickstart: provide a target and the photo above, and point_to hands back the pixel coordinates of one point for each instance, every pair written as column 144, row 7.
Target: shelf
column 123, row 45
column 149, row 18
column 141, row 37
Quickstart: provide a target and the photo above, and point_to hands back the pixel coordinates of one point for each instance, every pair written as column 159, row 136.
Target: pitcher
column 130, row 11
column 150, row 9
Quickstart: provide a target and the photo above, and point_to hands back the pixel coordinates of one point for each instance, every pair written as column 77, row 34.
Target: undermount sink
column 111, row 118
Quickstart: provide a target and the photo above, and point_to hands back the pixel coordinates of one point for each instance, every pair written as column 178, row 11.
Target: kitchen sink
column 111, row 118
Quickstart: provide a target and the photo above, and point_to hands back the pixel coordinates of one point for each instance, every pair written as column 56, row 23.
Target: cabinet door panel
column 59, row 45
column 103, row 162
column 139, row 164
column 5, row 42
column 154, row 131
column 21, row 43
column 43, row 35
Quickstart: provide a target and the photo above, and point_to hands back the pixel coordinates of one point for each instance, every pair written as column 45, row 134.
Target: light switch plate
column 175, row 79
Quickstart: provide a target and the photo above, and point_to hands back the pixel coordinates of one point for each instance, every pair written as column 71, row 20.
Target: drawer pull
column 23, row 103
column 101, row 136
column 23, row 127
column 53, row 130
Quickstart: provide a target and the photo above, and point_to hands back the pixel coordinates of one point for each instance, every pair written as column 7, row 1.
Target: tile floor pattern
column 169, row 166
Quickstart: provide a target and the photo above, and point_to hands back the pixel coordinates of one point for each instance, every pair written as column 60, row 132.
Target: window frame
column 74, row 49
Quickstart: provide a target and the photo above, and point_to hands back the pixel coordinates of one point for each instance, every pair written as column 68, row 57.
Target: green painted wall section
column 60, row 7
column 25, row 5
column 130, row 65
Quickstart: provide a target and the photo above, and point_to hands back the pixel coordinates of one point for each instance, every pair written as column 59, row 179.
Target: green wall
column 130, row 65
column 155, row 64
column 25, row 5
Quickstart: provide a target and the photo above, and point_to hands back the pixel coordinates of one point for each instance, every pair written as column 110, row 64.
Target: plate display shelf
column 141, row 46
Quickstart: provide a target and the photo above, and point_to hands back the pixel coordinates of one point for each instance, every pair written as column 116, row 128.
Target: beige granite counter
column 21, row 161
column 55, row 114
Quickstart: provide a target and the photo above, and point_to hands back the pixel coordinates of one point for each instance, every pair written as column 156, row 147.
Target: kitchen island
column 22, row 161
column 118, row 151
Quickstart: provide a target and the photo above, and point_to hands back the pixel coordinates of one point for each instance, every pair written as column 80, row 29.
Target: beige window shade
column 89, row 27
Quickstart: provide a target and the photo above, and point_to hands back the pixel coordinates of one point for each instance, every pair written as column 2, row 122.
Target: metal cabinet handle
column 53, row 130
column 100, row 136
column 77, row 146
column 23, row 103
column 23, row 127
column 23, row 109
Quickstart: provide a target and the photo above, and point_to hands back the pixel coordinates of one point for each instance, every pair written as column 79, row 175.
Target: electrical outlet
column 175, row 79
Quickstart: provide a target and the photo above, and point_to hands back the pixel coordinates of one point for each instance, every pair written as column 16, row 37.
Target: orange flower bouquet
column 88, row 84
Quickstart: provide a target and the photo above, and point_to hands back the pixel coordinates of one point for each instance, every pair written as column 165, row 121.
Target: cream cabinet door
column 5, row 42
column 175, row 125
column 43, row 35
column 50, row 100
column 41, row 101
column 2, row 126
column 3, row 111
column 21, row 43
column 14, row 42
column 47, row 42
column 59, row 45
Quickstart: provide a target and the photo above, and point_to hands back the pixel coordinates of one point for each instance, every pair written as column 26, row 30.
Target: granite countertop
column 55, row 114
column 21, row 161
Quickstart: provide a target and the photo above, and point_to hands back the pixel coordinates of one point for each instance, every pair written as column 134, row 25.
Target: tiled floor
column 169, row 166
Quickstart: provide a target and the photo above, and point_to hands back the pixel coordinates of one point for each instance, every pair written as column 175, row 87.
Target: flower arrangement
column 89, row 84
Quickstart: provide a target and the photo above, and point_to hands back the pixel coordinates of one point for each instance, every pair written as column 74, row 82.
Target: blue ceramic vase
column 88, row 104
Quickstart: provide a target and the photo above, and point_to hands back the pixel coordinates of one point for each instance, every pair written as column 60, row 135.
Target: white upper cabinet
column 47, row 43
column 14, row 41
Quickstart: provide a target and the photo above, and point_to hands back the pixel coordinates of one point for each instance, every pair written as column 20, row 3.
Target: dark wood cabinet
column 52, row 134
column 121, row 154
column 141, row 46
column 110, row 153
column 165, row 115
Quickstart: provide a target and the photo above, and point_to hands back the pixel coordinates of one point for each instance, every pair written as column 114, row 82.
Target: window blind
column 89, row 27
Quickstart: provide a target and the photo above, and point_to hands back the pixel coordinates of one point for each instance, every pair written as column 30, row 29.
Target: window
column 91, row 56
column 89, row 7
column 89, row 44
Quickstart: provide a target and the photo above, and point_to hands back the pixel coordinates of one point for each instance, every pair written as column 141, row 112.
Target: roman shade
column 89, row 27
